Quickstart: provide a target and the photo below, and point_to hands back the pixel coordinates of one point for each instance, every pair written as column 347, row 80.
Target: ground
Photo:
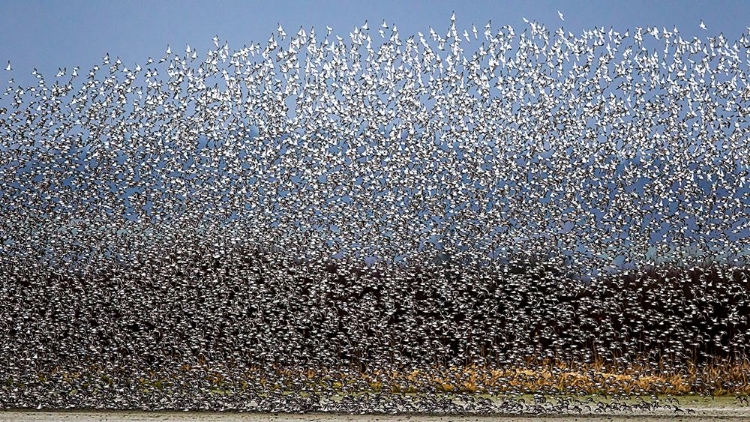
column 693, row 410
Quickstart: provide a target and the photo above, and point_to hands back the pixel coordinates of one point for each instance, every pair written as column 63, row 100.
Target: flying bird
column 301, row 202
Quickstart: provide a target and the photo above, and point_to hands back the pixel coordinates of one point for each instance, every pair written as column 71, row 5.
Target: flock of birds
column 379, row 201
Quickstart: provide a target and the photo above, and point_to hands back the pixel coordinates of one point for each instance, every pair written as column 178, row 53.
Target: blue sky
column 45, row 34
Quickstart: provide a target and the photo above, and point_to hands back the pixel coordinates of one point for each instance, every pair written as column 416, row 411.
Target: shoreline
column 691, row 408
column 696, row 414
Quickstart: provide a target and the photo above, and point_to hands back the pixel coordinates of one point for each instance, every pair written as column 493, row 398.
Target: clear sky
column 48, row 35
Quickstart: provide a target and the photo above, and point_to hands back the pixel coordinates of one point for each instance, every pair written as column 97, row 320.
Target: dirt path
column 697, row 414
column 694, row 409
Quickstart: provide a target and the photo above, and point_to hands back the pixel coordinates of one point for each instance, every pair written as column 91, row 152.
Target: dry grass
column 551, row 378
column 717, row 379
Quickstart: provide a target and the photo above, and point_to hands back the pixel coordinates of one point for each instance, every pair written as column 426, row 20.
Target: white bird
column 8, row 66
column 559, row 13
column 480, row 169
column 702, row 25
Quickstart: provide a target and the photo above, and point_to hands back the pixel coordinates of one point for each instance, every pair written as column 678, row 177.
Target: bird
column 559, row 13
column 339, row 219
column 702, row 25
column 8, row 67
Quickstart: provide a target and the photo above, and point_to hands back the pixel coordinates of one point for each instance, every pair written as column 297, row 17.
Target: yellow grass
column 716, row 379
column 596, row 378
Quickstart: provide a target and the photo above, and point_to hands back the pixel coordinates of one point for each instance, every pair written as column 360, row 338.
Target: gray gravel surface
column 696, row 414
